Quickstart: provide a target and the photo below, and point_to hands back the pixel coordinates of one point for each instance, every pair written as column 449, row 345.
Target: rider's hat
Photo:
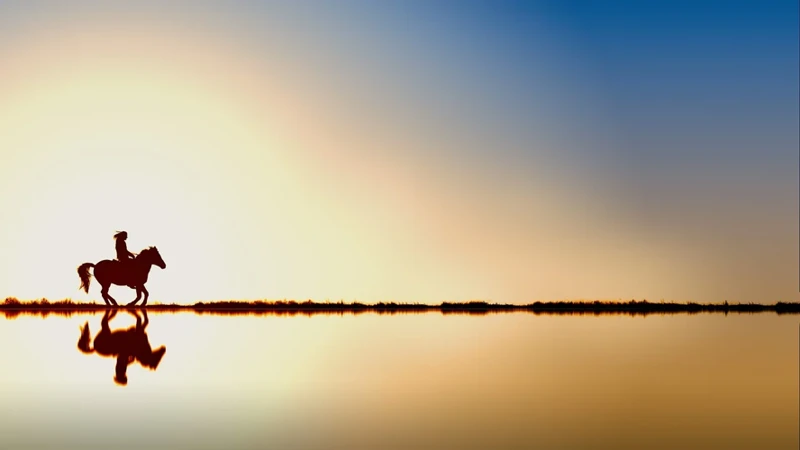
column 121, row 235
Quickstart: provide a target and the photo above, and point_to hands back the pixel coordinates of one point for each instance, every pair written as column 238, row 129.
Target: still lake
column 405, row 381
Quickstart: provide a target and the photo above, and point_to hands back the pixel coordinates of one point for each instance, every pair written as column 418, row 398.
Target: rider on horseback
column 123, row 255
column 129, row 269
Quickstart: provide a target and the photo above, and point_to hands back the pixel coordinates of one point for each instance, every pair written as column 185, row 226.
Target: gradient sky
column 408, row 151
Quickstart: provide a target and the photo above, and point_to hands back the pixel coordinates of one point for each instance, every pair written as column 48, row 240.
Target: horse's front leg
column 138, row 318
column 146, row 295
column 138, row 296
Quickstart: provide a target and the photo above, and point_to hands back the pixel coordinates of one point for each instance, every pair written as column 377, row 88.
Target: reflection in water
column 128, row 345
column 406, row 381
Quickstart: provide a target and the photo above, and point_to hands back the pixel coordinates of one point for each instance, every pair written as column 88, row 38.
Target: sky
column 407, row 151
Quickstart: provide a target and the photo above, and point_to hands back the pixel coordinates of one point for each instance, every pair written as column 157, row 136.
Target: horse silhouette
column 128, row 345
column 132, row 273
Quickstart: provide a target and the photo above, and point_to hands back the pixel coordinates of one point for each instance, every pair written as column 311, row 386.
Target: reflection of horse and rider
column 128, row 345
column 129, row 269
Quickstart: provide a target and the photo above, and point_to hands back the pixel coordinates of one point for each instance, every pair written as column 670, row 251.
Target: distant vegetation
column 13, row 307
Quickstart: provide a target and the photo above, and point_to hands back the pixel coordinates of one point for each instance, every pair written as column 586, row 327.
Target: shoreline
column 14, row 307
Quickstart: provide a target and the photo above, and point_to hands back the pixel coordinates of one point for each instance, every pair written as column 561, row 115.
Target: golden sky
column 289, row 157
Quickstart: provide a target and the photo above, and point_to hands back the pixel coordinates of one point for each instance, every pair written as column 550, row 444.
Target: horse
column 131, row 273
column 128, row 345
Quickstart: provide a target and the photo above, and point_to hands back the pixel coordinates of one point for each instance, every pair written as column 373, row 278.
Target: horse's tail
column 83, row 272
column 84, row 343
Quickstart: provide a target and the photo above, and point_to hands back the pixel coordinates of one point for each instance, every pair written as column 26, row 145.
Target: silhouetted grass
column 12, row 307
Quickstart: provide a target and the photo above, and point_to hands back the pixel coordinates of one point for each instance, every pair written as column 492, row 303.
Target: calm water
column 406, row 382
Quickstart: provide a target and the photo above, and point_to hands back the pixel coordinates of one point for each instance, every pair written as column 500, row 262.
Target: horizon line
column 12, row 307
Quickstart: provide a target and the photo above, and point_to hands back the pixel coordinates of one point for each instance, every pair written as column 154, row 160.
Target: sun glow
column 141, row 143
column 255, row 182
column 272, row 152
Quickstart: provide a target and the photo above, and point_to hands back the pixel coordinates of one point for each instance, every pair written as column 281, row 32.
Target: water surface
column 407, row 381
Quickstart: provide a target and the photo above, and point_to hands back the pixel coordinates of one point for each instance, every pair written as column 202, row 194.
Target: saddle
column 124, row 262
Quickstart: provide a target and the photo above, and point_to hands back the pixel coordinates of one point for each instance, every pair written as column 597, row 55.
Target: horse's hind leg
column 104, row 293
column 107, row 297
column 138, row 296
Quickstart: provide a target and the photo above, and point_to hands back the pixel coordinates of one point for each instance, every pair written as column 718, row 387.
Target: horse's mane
column 148, row 250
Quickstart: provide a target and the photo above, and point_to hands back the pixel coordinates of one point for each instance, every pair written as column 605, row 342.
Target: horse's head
column 152, row 359
column 154, row 257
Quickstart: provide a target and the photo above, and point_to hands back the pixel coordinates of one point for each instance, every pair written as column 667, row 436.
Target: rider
column 123, row 255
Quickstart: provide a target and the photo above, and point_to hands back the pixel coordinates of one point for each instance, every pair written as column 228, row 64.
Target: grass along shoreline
column 12, row 305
